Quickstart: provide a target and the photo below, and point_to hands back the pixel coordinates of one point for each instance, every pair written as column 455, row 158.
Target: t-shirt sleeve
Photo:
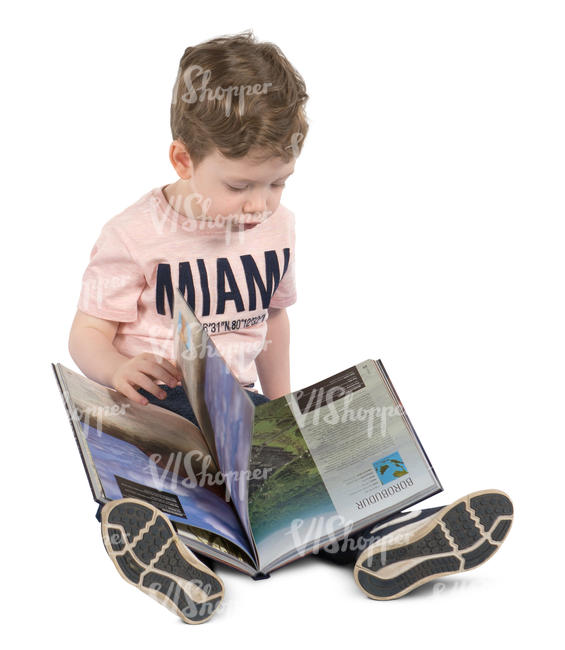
column 285, row 294
column 112, row 281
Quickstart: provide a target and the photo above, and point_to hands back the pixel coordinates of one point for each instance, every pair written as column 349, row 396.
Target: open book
column 254, row 487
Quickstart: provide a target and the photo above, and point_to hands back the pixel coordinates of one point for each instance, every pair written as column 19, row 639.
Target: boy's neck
column 176, row 194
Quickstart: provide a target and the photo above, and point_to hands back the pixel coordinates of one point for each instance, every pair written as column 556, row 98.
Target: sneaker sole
column 457, row 538
column 147, row 553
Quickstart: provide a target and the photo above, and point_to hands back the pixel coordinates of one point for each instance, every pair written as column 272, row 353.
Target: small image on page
column 366, row 455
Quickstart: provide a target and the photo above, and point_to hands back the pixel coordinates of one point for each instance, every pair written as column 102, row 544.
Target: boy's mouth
column 238, row 219
column 251, row 218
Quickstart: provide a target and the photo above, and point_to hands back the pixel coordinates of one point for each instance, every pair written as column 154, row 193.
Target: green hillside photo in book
column 255, row 487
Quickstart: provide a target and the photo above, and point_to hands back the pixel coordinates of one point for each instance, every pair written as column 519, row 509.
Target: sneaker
column 147, row 552
column 454, row 538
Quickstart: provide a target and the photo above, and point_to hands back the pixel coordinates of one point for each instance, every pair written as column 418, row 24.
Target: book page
column 229, row 409
column 214, row 546
column 188, row 337
column 289, row 504
column 231, row 413
column 149, row 453
column 330, row 459
column 361, row 441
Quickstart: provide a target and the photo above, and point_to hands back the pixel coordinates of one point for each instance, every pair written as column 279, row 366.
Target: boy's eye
column 241, row 189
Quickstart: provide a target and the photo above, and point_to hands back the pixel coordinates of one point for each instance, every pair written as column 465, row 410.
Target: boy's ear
column 180, row 159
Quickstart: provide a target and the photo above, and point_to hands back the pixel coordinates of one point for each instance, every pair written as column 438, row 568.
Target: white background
column 429, row 201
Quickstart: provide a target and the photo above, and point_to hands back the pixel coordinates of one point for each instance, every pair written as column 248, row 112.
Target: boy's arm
column 273, row 363
column 91, row 347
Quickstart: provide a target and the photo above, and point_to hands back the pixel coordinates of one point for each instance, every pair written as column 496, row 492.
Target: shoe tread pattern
column 132, row 517
column 147, row 557
column 172, row 562
column 462, row 528
column 116, row 539
column 433, row 543
column 387, row 588
column 153, row 540
column 169, row 589
column 458, row 526
column 479, row 555
column 130, row 567
column 488, row 507
column 501, row 530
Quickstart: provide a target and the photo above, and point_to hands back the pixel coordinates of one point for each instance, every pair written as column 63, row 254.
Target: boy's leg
column 147, row 553
column 347, row 550
column 412, row 548
column 177, row 401
column 258, row 398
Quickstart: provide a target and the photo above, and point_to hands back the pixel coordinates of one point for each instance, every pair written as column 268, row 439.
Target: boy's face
column 243, row 188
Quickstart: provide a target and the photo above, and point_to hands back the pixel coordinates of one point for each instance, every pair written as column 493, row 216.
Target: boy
column 220, row 234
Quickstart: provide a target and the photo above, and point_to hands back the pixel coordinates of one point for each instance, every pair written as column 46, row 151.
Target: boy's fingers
column 130, row 392
column 157, row 371
column 172, row 368
column 151, row 387
column 169, row 367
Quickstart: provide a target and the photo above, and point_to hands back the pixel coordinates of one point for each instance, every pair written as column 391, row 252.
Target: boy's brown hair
column 240, row 97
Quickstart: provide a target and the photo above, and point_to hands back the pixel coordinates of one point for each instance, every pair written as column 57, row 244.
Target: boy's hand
column 139, row 372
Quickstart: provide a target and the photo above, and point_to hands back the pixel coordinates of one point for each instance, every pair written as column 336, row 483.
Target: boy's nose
column 255, row 204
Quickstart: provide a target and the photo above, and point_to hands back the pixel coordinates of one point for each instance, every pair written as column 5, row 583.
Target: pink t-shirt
column 230, row 274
